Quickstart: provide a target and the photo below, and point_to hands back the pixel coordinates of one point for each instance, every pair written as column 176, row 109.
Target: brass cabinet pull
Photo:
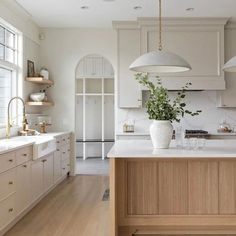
column 10, row 160
column 64, row 140
column 63, row 168
column 11, row 209
column 44, row 160
column 25, row 166
column 64, row 152
column 10, row 182
column 25, row 154
column 58, row 141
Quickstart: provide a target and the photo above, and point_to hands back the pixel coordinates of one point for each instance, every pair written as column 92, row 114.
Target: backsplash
column 209, row 119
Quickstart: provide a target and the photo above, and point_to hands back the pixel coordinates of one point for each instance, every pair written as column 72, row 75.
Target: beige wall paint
column 61, row 51
column 19, row 19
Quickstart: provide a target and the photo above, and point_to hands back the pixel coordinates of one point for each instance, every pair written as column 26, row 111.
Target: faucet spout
column 9, row 125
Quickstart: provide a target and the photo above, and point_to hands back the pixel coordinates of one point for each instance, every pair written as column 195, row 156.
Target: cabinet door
column 23, row 188
column 37, row 179
column 57, row 165
column 129, row 49
column 48, row 172
column 7, row 211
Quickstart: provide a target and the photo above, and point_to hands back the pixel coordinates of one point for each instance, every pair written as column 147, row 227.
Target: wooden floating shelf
column 39, row 103
column 39, row 80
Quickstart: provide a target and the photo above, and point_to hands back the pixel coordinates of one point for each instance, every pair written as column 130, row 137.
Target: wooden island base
column 181, row 196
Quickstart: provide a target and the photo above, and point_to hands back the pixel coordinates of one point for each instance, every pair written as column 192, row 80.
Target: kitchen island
column 173, row 191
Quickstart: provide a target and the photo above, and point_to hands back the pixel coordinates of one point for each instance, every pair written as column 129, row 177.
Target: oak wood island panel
column 173, row 196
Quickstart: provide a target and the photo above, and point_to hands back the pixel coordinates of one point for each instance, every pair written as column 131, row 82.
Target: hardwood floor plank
column 74, row 208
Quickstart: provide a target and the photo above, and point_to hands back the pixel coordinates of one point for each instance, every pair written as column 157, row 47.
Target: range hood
column 198, row 84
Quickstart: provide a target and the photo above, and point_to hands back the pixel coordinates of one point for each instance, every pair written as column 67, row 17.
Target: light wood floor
column 74, row 208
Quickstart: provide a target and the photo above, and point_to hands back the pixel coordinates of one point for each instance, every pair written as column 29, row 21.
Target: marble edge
column 11, row 149
column 210, row 156
column 28, row 143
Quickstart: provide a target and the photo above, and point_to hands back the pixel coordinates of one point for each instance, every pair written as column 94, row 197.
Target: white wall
column 63, row 48
column 19, row 19
column 61, row 51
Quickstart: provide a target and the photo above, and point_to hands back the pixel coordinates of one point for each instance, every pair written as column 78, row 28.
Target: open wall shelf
column 39, row 80
column 39, row 103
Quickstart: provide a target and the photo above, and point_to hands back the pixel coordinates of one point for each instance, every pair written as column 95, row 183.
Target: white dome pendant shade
column 230, row 66
column 161, row 62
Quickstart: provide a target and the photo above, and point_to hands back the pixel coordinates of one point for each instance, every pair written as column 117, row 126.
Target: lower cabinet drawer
column 7, row 183
column 24, row 154
column 7, row 211
column 7, row 161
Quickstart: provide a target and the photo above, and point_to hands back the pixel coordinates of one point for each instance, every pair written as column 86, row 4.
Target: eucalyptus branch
column 159, row 105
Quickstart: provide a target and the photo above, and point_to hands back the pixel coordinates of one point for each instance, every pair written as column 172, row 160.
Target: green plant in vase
column 163, row 111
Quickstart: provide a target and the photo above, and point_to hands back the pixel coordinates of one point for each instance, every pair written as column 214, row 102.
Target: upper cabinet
column 200, row 41
column 227, row 98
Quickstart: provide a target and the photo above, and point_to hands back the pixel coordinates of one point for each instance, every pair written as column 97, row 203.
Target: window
column 9, row 71
column 8, row 46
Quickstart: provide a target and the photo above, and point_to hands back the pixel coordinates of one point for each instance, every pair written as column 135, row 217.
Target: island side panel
column 155, row 193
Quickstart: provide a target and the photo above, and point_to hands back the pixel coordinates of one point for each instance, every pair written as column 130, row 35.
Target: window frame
column 15, row 68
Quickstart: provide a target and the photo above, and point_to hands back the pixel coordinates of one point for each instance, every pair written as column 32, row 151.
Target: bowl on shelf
column 37, row 97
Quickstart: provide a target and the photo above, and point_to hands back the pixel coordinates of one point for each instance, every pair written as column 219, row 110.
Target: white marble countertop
column 144, row 149
column 14, row 143
column 147, row 134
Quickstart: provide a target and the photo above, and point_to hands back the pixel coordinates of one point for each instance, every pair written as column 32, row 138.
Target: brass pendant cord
column 160, row 27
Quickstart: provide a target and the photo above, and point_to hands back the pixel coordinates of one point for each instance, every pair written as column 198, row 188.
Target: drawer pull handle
column 58, row 141
column 44, row 160
column 63, row 168
column 64, row 140
column 58, row 150
column 11, row 210
column 10, row 160
column 64, row 152
column 11, row 182
column 25, row 166
column 25, row 155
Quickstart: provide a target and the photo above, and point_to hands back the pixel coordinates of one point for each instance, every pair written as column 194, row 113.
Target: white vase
column 161, row 132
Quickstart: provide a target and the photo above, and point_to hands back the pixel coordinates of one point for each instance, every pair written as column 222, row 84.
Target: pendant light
column 160, row 61
column 230, row 66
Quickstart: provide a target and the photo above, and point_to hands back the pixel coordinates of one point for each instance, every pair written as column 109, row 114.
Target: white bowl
column 37, row 97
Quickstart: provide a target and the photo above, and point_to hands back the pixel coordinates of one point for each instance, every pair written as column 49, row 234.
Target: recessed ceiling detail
column 68, row 13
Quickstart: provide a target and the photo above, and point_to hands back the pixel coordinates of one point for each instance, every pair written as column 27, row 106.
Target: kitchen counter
column 14, row 143
column 172, row 190
column 144, row 148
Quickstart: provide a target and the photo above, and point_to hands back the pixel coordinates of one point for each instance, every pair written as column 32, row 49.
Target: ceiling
column 101, row 13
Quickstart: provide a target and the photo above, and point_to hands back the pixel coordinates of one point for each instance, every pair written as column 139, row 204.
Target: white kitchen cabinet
column 57, row 165
column 23, row 187
column 227, row 98
column 7, row 211
column 7, row 183
column 37, row 188
column 129, row 92
column 47, row 172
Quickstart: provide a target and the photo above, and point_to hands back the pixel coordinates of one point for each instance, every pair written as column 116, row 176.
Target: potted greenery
column 162, row 111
